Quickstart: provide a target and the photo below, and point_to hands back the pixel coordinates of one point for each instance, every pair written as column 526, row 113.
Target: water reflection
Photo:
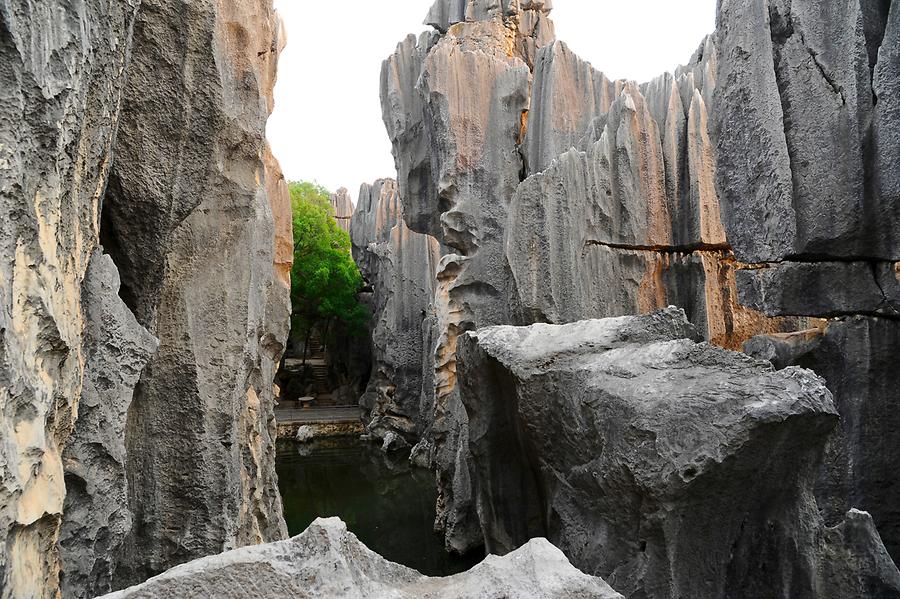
column 387, row 503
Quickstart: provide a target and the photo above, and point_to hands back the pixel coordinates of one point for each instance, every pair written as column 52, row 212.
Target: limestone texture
column 807, row 135
column 620, row 214
column 805, row 138
column 455, row 142
column 96, row 513
column 189, row 223
column 342, row 207
column 857, row 358
column 143, row 288
column 399, row 265
column 671, row 468
column 556, row 195
column 61, row 74
column 328, row 561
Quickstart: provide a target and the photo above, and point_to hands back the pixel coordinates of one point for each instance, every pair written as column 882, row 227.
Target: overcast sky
column 327, row 121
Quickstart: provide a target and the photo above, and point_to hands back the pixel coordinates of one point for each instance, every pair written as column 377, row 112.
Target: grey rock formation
column 773, row 144
column 805, row 142
column 568, row 95
column 455, row 142
column 828, row 288
column 342, row 207
column 400, row 267
column 807, row 123
column 61, row 73
column 620, row 214
column 671, row 468
column 93, row 443
column 96, row 516
column 857, row 358
column 188, row 221
column 327, row 561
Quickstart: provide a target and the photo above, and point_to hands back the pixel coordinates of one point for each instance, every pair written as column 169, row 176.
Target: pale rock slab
column 327, row 561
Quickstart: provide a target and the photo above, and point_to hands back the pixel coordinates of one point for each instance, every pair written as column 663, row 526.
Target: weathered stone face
column 400, row 266
column 455, row 141
column 190, row 220
column 857, row 358
column 771, row 145
column 672, row 468
column 96, row 515
column 342, row 207
column 328, row 561
column 807, row 124
column 805, row 140
column 61, row 73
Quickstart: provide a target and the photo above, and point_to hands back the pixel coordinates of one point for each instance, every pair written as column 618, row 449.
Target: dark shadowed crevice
column 114, row 246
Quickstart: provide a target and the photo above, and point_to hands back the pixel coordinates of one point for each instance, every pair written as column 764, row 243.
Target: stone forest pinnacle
column 645, row 335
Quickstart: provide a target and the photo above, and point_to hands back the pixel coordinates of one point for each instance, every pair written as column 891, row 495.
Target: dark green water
column 387, row 503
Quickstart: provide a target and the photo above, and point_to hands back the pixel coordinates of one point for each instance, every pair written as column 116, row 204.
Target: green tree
column 325, row 281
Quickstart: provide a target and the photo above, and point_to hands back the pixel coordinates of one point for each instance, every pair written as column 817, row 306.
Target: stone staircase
column 317, row 361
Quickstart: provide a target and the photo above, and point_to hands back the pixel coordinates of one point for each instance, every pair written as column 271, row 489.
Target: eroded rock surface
column 61, row 74
column 857, row 358
column 328, row 561
column 807, row 122
column 99, row 453
column 342, row 207
column 556, row 194
column 96, row 514
column 400, row 266
column 671, row 468
column 802, row 111
column 455, row 143
column 188, row 221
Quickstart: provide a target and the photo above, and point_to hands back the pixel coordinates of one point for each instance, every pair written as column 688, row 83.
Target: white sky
column 327, row 122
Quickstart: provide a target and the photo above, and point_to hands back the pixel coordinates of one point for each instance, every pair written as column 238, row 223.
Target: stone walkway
column 324, row 415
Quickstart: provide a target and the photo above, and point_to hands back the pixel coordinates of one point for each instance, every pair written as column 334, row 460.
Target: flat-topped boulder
column 671, row 468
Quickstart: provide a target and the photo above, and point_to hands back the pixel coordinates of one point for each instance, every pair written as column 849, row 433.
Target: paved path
column 318, row 415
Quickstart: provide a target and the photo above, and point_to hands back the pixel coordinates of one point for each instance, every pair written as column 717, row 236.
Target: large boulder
column 671, row 468
column 327, row 561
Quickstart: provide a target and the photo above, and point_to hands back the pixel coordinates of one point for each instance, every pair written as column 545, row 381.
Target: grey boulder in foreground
column 328, row 561
column 671, row 468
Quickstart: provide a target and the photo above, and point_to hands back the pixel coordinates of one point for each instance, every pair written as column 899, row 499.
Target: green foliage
column 325, row 281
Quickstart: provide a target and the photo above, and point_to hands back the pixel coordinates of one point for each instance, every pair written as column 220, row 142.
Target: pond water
column 386, row 502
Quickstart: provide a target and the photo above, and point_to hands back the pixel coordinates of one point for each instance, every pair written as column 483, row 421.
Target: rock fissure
column 660, row 249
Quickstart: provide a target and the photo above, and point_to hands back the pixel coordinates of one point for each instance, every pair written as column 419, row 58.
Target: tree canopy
column 325, row 281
